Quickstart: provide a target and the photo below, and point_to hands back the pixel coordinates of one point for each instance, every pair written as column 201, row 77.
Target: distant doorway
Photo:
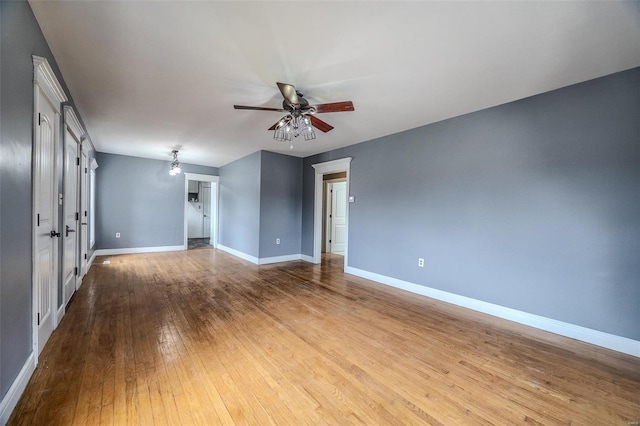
column 200, row 211
column 342, row 165
column 334, row 219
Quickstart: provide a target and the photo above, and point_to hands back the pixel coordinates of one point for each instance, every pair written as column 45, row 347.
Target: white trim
column 17, row 388
column 133, row 250
column 90, row 262
column 321, row 169
column 278, row 259
column 599, row 338
column 239, row 254
column 201, row 178
column 333, row 166
column 74, row 129
column 44, row 77
column 45, row 82
column 61, row 312
column 265, row 260
column 84, row 211
column 71, row 120
column 306, row 258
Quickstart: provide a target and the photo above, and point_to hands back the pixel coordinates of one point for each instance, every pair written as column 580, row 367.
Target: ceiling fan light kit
column 292, row 126
column 299, row 119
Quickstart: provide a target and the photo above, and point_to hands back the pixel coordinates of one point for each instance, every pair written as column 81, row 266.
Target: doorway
column 200, row 211
column 334, row 212
column 322, row 169
column 48, row 95
column 72, row 135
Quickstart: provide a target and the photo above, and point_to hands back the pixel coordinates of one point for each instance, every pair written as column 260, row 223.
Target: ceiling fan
column 300, row 116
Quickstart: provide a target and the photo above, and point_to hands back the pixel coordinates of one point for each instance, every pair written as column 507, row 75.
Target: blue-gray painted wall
column 138, row 198
column 20, row 38
column 532, row 205
column 260, row 201
column 239, row 210
column 280, row 204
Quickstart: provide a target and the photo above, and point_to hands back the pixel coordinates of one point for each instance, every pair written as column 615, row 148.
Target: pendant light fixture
column 175, row 164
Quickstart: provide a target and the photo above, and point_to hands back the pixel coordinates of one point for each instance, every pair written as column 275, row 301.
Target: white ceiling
column 151, row 76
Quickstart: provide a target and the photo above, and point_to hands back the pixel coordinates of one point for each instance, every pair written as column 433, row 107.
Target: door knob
column 68, row 230
column 54, row 234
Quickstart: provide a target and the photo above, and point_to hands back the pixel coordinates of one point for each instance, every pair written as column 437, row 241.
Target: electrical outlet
column 277, row 240
column 421, row 262
column 117, row 235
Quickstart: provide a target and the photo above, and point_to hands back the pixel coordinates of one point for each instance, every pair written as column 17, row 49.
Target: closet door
column 71, row 204
column 48, row 96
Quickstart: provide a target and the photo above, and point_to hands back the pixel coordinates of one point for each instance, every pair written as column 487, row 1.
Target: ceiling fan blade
column 257, row 108
column 289, row 93
column 274, row 125
column 334, row 107
column 319, row 124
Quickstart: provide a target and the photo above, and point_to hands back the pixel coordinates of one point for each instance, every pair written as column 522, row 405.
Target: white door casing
column 46, row 221
column 321, row 169
column 84, row 194
column 214, row 205
column 48, row 95
column 71, row 217
column 206, row 210
column 338, row 216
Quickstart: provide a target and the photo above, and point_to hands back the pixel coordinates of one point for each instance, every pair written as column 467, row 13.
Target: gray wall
column 138, row 198
column 20, row 38
column 532, row 205
column 261, row 200
column 240, row 204
column 280, row 204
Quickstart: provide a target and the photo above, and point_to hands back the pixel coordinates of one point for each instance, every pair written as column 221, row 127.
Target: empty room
column 312, row 212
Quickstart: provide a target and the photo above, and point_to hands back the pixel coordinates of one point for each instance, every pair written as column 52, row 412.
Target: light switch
column 352, row 198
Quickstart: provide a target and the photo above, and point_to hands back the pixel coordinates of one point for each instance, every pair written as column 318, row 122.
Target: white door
column 206, row 210
column 84, row 235
column 71, row 216
column 45, row 208
column 338, row 216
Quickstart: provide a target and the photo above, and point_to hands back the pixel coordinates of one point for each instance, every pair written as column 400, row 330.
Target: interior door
column 45, row 208
column 70, row 256
column 84, row 232
column 338, row 216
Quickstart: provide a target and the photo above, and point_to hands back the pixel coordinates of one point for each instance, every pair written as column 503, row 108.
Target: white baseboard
column 133, row 250
column 16, row 390
column 61, row 311
column 306, row 258
column 278, row 259
column 264, row 260
column 90, row 262
column 599, row 338
column 239, row 254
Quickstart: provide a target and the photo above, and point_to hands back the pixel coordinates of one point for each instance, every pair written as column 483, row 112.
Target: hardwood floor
column 201, row 337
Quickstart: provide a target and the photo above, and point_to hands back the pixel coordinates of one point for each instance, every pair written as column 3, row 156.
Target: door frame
column 45, row 81
column 84, row 209
column 202, row 178
column 321, row 169
column 329, row 225
column 77, row 132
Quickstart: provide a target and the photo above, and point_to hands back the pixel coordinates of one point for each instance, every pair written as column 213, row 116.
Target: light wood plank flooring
column 201, row 337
